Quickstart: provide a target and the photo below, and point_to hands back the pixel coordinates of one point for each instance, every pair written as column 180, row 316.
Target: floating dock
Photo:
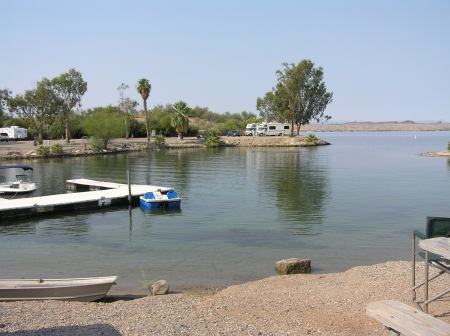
column 104, row 194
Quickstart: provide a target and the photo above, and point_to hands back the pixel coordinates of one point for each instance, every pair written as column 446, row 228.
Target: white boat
column 21, row 185
column 81, row 289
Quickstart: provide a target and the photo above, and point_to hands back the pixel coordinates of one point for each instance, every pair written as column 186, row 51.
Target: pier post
column 129, row 187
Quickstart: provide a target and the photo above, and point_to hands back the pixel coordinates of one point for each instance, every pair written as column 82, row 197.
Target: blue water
column 355, row 202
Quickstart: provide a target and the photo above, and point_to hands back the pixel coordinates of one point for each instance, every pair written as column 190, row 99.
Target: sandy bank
column 325, row 304
column 437, row 154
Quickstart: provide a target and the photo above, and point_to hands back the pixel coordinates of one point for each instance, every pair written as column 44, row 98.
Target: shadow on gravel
column 93, row 329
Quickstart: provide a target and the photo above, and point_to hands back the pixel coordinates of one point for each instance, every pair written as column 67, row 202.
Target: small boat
column 22, row 185
column 160, row 199
column 81, row 289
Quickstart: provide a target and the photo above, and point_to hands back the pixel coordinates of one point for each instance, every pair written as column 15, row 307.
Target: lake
column 354, row 202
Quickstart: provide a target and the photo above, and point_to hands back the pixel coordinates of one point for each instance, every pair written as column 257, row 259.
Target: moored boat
column 78, row 289
column 21, row 185
column 160, row 199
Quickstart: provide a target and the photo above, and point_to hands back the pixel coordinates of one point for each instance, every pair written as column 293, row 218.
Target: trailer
column 13, row 133
column 268, row 129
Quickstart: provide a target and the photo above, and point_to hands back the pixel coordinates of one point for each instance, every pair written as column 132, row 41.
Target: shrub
column 97, row 144
column 43, row 150
column 57, row 149
column 212, row 139
column 311, row 138
column 448, row 146
column 160, row 140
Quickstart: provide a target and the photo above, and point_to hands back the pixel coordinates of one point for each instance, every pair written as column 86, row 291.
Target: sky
column 383, row 60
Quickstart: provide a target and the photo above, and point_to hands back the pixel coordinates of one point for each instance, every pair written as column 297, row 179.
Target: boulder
column 293, row 266
column 160, row 287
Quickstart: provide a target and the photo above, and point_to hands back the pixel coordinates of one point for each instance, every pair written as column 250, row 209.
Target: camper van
column 250, row 130
column 268, row 128
column 14, row 132
column 273, row 129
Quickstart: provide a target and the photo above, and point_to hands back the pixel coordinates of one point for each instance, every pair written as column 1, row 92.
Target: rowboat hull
column 81, row 289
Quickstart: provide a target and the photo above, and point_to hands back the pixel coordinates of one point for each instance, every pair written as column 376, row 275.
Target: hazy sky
column 383, row 60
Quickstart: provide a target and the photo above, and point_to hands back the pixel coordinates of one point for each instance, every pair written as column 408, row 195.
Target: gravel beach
column 317, row 304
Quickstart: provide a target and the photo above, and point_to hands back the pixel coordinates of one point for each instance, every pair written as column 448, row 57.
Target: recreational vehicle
column 14, row 132
column 270, row 128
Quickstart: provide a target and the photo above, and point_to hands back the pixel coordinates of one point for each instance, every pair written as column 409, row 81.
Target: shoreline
column 24, row 150
column 302, row 304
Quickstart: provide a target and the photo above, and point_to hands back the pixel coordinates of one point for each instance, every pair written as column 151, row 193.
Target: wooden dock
column 105, row 194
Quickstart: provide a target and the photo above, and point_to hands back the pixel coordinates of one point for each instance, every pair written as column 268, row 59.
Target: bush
column 57, row 149
column 311, row 138
column 160, row 140
column 212, row 139
column 43, row 150
column 448, row 146
column 97, row 144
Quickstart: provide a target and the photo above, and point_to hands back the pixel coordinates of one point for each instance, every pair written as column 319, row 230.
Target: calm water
column 352, row 203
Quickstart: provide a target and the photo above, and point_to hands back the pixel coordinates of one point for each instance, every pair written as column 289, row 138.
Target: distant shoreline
column 406, row 126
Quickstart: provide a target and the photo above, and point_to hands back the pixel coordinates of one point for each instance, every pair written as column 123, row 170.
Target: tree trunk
column 126, row 128
column 292, row 127
column 67, row 129
column 146, row 120
column 40, row 134
column 298, row 129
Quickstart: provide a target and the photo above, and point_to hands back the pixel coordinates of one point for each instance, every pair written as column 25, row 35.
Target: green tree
column 40, row 106
column 5, row 97
column 69, row 87
column 180, row 120
column 144, row 87
column 299, row 96
column 104, row 123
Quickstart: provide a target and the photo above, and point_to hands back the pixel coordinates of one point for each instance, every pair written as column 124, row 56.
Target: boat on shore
column 21, row 185
column 77, row 289
column 160, row 199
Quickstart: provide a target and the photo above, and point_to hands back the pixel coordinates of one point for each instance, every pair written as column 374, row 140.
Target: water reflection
column 298, row 181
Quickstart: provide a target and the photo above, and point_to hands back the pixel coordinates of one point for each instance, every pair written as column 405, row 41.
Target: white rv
column 273, row 128
column 14, row 132
column 268, row 128
column 250, row 130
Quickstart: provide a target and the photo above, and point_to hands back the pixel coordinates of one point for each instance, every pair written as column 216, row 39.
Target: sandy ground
column 325, row 304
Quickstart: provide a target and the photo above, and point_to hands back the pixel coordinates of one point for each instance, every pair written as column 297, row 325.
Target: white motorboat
column 21, row 185
column 80, row 289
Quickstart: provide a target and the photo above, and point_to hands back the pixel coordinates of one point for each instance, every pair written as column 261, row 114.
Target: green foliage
column 179, row 118
column 299, row 96
column 97, row 145
column 212, row 139
column 311, row 138
column 43, row 150
column 69, row 87
column 57, row 149
column 144, row 87
column 160, row 140
column 448, row 146
column 39, row 106
column 104, row 123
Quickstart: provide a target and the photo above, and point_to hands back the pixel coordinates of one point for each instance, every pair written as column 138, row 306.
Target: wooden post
column 129, row 187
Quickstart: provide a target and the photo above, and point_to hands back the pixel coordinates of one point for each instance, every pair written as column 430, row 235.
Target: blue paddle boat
column 160, row 199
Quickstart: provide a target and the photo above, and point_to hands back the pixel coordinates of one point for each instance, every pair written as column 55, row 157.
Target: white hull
column 81, row 289
column 17, row 188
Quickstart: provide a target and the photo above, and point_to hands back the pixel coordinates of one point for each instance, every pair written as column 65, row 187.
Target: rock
column 293, row 266
column 160, row 287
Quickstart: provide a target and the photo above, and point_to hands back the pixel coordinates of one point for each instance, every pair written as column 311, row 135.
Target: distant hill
column 372, row 126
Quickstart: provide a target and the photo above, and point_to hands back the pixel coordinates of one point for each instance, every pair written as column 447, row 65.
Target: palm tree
column 144, row 87
column 180, row 120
